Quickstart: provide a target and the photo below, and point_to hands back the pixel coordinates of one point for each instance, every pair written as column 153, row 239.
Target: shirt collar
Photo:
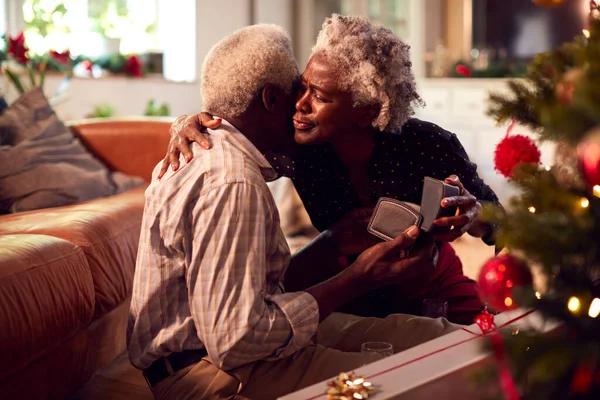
column 241, row 142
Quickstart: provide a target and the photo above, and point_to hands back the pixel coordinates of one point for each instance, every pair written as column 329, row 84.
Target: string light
column 531, row 209
column 596, row 190
column 508, row 302
column 594, row 310
column 584, row 202
column 586, row 33
column 548, row 168
column 574, row 304
column 538, row 295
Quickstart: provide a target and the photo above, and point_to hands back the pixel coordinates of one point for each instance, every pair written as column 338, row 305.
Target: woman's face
column 323, row 111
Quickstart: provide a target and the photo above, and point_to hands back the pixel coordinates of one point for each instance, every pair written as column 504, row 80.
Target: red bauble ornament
column 514, row 150
column 497, row 279
column 588, row 151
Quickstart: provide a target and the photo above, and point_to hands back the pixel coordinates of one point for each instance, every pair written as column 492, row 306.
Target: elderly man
column 209, row 317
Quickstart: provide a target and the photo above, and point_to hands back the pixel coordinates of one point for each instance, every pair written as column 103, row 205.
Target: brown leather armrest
column 131, row 145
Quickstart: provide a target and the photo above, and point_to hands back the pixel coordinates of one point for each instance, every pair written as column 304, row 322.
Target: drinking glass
column 433, row 308
column 377, row 350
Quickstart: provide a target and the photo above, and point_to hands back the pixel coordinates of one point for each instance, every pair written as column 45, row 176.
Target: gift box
column 438, row 369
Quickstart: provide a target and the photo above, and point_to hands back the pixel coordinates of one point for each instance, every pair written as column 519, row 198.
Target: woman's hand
column 183, row 131
column 467, row 214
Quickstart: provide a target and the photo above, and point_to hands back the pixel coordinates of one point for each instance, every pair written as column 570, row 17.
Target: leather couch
column 66, row 273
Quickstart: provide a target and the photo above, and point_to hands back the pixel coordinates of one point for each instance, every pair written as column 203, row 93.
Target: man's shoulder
column 222, row 164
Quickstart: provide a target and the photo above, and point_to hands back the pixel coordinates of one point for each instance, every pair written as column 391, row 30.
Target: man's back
column 209, row 232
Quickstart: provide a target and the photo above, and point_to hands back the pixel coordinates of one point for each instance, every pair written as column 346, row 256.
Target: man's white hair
column 374, row 65
column 239, row 66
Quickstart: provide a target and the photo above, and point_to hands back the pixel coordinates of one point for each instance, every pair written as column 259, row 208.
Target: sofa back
column 131, row 145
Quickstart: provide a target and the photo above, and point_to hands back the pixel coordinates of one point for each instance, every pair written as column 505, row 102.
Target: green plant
column 152, row 109
column 103, row 111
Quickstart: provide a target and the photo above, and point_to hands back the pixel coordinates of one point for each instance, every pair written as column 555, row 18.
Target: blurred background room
column 124, row 59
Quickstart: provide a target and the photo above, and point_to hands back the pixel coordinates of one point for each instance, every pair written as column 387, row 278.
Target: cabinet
column 459, row 106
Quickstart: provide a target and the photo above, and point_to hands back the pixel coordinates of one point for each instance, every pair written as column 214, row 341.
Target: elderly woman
column 359, row 143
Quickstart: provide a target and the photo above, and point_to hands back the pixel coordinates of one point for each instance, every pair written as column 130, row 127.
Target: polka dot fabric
column 398, row 165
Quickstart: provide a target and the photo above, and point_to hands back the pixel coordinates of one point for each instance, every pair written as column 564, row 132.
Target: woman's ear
column 270, row 97
column 367, row 115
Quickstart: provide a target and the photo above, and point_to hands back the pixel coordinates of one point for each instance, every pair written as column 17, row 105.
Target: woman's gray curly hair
column 374, row 65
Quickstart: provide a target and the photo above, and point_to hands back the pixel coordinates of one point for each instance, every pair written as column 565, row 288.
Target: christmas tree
column 553, row 227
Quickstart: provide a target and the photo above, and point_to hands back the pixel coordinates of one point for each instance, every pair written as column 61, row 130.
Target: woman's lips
column 303, row 126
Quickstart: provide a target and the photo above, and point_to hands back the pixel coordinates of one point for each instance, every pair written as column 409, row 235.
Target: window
column 96, row 28
column 390, row 13
column 93, row 27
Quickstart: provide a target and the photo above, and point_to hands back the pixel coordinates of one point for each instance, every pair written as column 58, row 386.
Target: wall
column 214, row 20
column 459, row 106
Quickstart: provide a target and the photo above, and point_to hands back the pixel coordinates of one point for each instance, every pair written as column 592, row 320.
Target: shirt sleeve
column 240, row 316
column 467, row 172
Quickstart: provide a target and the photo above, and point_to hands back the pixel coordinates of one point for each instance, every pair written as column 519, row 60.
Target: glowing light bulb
column 594, row 310
column 548, row 168
column 508, row 302
column 596, row 190
column 538, row 295
column 574, row 304
column 586, row 33
column 584, row 202
column 531, row 209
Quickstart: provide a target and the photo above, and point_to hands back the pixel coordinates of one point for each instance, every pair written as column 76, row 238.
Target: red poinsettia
column 133, row 66
column 61, row 58
column 17, row 49
column 36, row 71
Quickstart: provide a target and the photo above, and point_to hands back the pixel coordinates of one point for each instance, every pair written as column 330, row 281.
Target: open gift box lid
column 437, row 369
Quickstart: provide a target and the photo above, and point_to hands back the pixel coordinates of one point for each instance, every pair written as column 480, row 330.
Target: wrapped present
column 440, row 368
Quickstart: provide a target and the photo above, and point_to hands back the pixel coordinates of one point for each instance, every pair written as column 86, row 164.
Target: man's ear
column 367, row 115
column 271, row 97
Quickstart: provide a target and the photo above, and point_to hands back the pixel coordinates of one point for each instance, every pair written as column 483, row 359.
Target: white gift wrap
column 437, row 369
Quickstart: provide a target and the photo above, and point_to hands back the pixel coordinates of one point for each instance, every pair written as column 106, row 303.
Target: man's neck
column 249, row 129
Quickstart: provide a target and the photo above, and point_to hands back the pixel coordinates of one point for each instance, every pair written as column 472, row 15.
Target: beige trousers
column 337, row 349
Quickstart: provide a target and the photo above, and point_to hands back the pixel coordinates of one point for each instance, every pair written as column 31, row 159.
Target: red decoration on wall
column 134, row 66
column 463, row 70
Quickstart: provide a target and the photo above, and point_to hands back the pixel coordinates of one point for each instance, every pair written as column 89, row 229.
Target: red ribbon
column 507, row 382
column 475, row 336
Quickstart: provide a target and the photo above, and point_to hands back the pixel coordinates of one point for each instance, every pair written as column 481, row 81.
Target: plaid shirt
column 210, row 263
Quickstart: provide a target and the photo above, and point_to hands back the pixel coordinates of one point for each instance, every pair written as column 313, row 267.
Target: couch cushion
column 46, row 295
column 107, row 230
column 41, row 163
